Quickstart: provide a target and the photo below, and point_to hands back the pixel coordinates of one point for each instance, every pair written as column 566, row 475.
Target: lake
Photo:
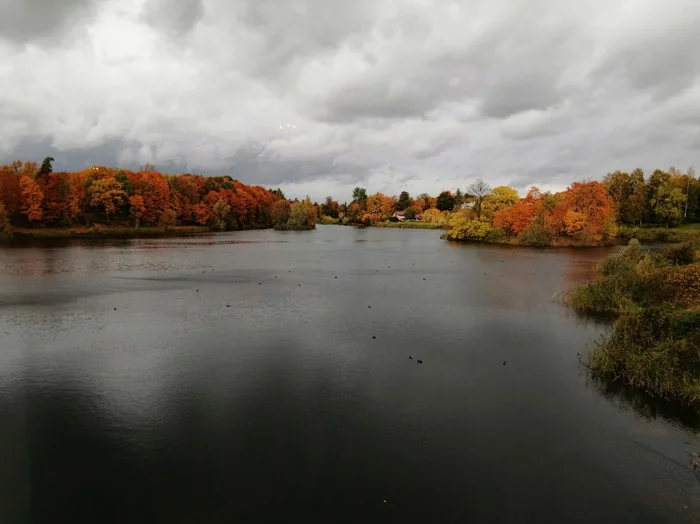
column 267, row 376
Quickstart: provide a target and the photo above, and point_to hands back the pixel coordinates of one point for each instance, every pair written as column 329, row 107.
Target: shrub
column 497, row 235
column 683, row 284
column 681, row 254
column 534, row 235
column 646, row 350
column 326, row 220
column 655, row 341
column 463, row 229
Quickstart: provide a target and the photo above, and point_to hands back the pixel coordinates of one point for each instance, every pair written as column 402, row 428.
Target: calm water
column 234, row 378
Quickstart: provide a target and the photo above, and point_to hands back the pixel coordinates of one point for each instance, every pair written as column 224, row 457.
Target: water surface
column 267, row 376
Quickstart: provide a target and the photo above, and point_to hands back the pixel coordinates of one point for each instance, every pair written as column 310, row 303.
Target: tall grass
column 654, row 343
column 684, row 233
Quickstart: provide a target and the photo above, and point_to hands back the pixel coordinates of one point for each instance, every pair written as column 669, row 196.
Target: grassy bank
column 654, row 343
column 100, row 231
column 410, row 225
column 683, row 233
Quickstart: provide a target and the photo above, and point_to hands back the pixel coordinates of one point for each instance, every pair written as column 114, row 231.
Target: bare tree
column 478, row 190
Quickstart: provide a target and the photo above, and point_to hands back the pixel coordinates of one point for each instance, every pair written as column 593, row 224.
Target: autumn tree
column 589, row 218
column 280, row 212
column 28, row 169
column 32, row 198
column 380, row 206
column 107, row 194
column 10, row 193
column 78, row 199
column 5, row 227
column 666, row 201
column 425, row 201
column 154, row 189
column 220, row 211
column 434, row 216
column 302, row 215
column 137, row 208
column 501, row 197
column 55, row 187
column 202, row 212
column 667, row 204
column 519, row 217
column 374, row 205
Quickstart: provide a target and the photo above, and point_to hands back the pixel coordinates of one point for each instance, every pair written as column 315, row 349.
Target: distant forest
column 33, row 195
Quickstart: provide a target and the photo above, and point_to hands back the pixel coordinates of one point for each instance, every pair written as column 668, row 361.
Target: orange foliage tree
column 589, row 216
column 32, row 198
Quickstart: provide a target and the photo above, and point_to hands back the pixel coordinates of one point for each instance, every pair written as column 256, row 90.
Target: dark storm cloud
column 23, row 21
column 268, row 172
column 247, row 164
column 36, row 149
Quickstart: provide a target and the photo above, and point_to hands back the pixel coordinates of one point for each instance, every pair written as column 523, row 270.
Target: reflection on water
column 646, row 405
column 265, row 376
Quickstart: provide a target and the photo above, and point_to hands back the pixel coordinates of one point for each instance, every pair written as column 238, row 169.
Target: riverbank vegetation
column 580, row 216
column 654, row 344
column 660, row 208
column 650, row 234
column 301, row 216
column 105, row 231
column 38, row 202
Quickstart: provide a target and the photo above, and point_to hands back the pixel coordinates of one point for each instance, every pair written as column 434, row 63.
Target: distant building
column 400, row 215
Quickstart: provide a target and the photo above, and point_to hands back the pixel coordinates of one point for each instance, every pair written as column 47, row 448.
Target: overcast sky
column 318, row 96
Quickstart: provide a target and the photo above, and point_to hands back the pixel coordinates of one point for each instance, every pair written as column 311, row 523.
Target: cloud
column 177, row 17
column 25, row 21
column 321, row 95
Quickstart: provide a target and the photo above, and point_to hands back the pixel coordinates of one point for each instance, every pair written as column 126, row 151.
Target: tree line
column 33, row 195
column 586, row 212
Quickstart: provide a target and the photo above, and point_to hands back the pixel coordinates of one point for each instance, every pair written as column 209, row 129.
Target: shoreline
column 643, row 234
column 102, row 232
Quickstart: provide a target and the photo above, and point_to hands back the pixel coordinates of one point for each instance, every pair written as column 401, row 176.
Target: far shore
column 102, row 231
column 679, row 234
